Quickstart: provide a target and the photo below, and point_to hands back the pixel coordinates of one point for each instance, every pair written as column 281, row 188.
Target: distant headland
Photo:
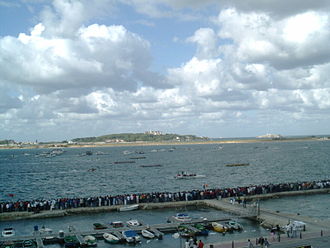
column 151, row 138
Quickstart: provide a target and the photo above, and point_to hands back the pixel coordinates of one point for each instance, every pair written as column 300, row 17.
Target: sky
column 215, row 68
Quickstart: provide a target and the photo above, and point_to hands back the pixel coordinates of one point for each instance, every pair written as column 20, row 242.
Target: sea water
column 27, row 175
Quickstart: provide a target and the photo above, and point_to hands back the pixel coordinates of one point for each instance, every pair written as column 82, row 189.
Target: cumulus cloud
column 255, row 62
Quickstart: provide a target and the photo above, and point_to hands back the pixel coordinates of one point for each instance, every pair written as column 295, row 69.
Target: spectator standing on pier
column 250, row 245
column 266, row 243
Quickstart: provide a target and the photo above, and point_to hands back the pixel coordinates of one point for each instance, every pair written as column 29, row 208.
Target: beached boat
column 131, row 236
column 147, row 234
column 186, row 175
column 90, row 241
column 8, row 232
column 110, row 238
column 129, row 207
column 218, row 227
column 133, row 223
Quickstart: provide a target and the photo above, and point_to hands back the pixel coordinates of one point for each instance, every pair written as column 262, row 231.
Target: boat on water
column 131, row 236
column 111, row 238
column 147, row 234
column 117, row 224
column 133, row 223
column 29, row 244
column 218, row 227
column 202, row 229
column 187, row 175
column 98, row 226
column 239, row 164
column 179, row 217
column 185, row 232
column 234, row 225
column 71, row 241
column 90, row 241
column 151, row 165
column 8, row 232
column 129, row 207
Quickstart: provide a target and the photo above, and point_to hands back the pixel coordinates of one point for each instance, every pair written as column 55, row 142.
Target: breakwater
column 242, row 193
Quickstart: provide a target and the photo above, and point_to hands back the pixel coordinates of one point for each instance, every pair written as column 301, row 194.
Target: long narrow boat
column 129, row 207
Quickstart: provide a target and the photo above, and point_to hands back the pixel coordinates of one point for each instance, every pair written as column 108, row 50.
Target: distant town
column 148, row 137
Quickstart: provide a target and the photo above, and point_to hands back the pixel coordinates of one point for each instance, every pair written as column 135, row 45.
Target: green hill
column 135, row 137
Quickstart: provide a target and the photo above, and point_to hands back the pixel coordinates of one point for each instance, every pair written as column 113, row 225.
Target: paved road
column 308, row 238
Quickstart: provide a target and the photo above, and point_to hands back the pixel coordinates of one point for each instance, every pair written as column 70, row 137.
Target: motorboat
column 8, row 232
column 110, row 238
column 202, row 229
column 131, row 236
column 71, row 241
column 29, row 244
column 187, row 175
column 98, row 226
column 218, row 227
column 45, row 230
column 147, row 234
column 180, row 217
column 90, row 241
column 234, row 225
column 133, row 223
column 129, row 207
column 117, row 224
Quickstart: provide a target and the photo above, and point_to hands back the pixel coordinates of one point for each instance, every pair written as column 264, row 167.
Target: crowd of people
column 110, row 200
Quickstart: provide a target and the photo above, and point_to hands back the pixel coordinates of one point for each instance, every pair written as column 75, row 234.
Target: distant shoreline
column 175, row 143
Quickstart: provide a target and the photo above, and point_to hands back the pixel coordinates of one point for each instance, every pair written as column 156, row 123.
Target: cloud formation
column 253, row 64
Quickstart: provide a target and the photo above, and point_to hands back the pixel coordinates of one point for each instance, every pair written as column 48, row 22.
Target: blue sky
column 75, row 68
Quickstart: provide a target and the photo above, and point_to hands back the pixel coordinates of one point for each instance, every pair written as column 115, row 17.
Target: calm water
column 33, row 177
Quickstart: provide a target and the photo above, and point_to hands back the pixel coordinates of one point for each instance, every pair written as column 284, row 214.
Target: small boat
column 110, row 238
column 142, row 157
column 29, row 244
column 151, row 165
column 71, row 241
column 218, row 227
column 131, row 236
column 98, row 226
column 186, row 175
column 185, row 232
column 8, row 232
column 133, row 223
column 234, row 225
column 90, row 241
column 147, row 234
column 181, row 217
column 124, row 162
column 240, row 164
column 45, row 230
column 202, row 229
column 117, row 224
column 129, row 207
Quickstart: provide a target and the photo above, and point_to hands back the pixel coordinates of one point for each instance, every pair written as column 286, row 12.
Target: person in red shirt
column 200, row 244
